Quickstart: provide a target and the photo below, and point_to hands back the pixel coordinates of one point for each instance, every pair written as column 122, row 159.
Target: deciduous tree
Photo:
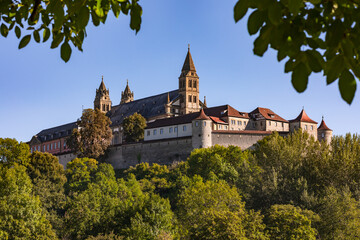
column 93, row 135
column 134, row 126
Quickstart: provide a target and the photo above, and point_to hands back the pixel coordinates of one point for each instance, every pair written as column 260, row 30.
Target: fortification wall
column 65, row 158
column 162, row 152
column 242, row 140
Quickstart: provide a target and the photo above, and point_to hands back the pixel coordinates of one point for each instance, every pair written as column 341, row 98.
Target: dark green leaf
column 57, row 40
column 274, row 13
column 240, row 9
column 4, row 30
column 333, row 68
column 255, row 21
column 300, row 77
column 295, row 5
column 24, row 41
column 46, row 34
column 17, row 32
column 59, row 16
column 83, row 18
column 314, row 60
column 289, row 66
column 95, row 19
column 65, row 51
column 347, row 86
column 36, row 36
column 135, row 17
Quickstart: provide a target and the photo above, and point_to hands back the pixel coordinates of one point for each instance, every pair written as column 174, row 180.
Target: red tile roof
column 202, row 116
column 267, row 114
column 242, row 131
column 225, row 111
column 323, row 126
column 217, row 120
column 303, row 117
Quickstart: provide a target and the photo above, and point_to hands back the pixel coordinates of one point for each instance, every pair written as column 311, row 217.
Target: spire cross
column 102, row 78
column 189, row 47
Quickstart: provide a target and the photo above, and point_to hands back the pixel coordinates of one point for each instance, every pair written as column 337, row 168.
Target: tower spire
column 188, row 63
column 102, row 98
column 127, row 95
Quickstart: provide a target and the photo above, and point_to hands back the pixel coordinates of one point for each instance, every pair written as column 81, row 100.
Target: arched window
column 103, row 107
column 190, row 83
column 194, row 84
column 189, row 98
column 194, row 99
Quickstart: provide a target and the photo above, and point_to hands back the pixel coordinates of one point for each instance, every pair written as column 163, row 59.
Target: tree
column 134, row 126
column 11, row 151
column 64, row 21
column 93, row 135
column 21, row 214
column 312, row 35
column 289, row 222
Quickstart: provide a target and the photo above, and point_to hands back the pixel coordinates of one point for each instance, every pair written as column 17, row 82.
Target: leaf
column 83, row 18
column 347, row 86
column 274, row 13
column 24, row 41
column 46, row 34
column 255, row 21
column 289, row 66
column 333, row 68
column 17, row 32
column 295, row 5
column 240, row 9
column 57, row 40
column 36, row 36
column 135, row 17
column 4, row 30
column 314, row 60
column 65, row 51
column 300, row 77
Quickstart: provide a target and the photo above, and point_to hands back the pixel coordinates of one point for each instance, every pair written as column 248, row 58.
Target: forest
column 284, row 188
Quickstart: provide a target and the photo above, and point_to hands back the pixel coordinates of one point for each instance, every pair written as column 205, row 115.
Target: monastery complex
column 177, row 122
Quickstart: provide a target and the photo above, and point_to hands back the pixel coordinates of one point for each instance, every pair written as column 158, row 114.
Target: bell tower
column 189, row 86
column 102, row 98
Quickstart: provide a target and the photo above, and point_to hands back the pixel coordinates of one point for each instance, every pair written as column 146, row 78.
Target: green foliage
column 93, row 136
column 21, row 214
column 312, row 35
column 11, row 152
column 214, row 210
column 65, row 21
column 289, row 222
column 134, row 126
column 79, row 172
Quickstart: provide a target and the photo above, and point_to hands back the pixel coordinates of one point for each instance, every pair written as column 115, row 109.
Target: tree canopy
column 134, row 126
column 93, row 135
column 64, row 21
column 311, row 35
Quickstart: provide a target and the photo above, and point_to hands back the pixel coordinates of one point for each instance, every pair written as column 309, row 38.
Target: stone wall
column 162, row 152
column 242, row 140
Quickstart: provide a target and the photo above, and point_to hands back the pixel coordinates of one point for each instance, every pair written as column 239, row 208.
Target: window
column 233, row 122
column 189, row 98
column 194, row 99
column 148, row 132
column 305, row 127
column 184, row 128
column 269, row 123
column 170, row 130
column 220, row 126
column 190, row 83
column 44, row 148
column 161, row 130
column 239, row 122
column 51, row 147
column 204, row 123
column 64, row 144
column 48, row 147
column 175, row 129
column 312, row 127
column 275, row 124
column 282, row 124
column 196, row 123
column 154, row 132
column 59, row 144
column 260, row 123
column 194, row 84
column 244, row 123
column 322, row 135
column 226, row 127
column 103, row 107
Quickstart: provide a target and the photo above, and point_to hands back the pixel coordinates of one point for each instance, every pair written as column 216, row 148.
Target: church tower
column 102, row 98
column 189, row 87
column 127, row 95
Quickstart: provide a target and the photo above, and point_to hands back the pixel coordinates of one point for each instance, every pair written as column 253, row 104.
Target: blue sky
column 39, row 90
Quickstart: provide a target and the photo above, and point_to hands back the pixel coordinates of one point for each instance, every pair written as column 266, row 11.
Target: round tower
column 324, row 133
column 201, row 131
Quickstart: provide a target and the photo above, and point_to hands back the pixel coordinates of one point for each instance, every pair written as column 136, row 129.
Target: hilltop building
column 177, row 122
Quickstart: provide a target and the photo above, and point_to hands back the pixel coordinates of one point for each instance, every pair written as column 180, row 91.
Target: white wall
column 166, row 132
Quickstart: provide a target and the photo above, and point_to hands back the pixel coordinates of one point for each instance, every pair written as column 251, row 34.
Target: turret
column 305, row 123
column 324, row 133
column 102, row 98
column 201, row 131
column 127, row 95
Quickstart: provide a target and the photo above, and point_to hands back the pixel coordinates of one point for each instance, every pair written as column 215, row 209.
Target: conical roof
column 202, row 116
column 127, row 88
column 323, row 126
column 188, row 63
column 303, row 117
